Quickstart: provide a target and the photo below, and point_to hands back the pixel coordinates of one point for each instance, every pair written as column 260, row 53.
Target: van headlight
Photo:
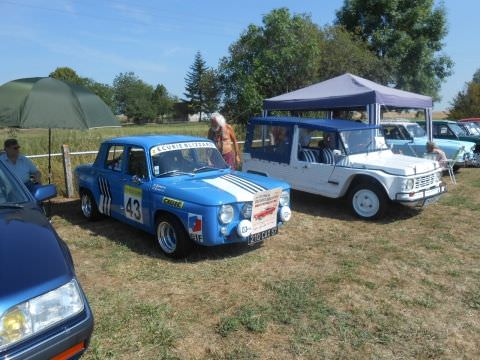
column 284, row 198
column 37, row 314
column 409, row 184
column 226, row 214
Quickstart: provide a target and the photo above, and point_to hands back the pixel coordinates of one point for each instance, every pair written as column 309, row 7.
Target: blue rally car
column 180, row 189
column 43, row 311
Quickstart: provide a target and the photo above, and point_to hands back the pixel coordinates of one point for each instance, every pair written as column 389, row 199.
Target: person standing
column 19, row 165
column 438, row 153
column 225, row 140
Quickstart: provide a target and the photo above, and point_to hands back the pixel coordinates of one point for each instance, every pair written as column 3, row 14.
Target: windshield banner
column 180, row 146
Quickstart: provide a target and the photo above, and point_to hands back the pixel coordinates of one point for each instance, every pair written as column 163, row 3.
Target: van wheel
column 172, row 237
column 89, row 206
column 368, row 201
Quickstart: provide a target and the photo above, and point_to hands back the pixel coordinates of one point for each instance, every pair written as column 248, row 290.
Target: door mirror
column 137, row 179
column 44, row 192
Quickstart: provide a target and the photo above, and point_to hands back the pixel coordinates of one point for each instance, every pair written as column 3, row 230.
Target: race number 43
column 132, row 203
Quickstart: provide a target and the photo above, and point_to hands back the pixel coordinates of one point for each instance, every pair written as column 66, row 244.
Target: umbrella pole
column 49, row 155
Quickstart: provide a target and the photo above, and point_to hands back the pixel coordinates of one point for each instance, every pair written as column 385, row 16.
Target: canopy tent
column 347, row 92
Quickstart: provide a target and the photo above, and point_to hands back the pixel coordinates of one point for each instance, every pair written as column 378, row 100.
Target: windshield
column 10, row 190
column 185, row 158
column 457, row 130
column 415, row 130
column 471, row 128
column 363, row 141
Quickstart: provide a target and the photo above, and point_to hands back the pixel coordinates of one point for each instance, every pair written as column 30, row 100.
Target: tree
column 133, row 97
column 193, row 85
column 211, row 91
column 286, row 53
column 467, row 102
column 67, row 74
column 162, row 102
column 476, row 77
column 407, row 35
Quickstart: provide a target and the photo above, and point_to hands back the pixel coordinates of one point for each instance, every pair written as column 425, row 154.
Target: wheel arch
column 364, row 179
column 163, row 212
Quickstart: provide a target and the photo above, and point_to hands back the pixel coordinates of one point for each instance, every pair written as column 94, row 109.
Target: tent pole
column 49, row 155
column 428, row 123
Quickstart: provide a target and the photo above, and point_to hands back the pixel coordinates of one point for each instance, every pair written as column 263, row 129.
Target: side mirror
column 137, row 179
column 44, row 192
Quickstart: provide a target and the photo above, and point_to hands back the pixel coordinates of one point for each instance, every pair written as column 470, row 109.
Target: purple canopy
column 346, row 91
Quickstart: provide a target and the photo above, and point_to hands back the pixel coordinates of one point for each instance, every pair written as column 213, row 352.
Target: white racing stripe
column 242, row 190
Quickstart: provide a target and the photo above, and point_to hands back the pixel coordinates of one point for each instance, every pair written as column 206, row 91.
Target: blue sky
column 158, row 39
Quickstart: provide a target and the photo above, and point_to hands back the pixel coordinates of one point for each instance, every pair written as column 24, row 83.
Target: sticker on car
column 195, row 225
column 105, row 201
column 132, row 203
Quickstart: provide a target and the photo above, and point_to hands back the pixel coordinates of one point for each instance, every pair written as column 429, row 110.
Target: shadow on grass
column 340, row 209
column 137, row 240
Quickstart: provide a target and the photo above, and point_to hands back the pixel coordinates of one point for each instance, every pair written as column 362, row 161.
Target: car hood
column 33, row 260
column 216, row 188
column 474, row 139
column 450, row 144
column 391, row 163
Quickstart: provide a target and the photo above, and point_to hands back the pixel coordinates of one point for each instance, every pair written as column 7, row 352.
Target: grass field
column 328, row 286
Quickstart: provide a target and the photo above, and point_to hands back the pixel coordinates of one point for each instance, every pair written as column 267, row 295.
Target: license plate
column 258, row 237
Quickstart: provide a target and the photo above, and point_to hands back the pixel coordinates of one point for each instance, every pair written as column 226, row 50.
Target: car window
column 457, row 130
column 270, row 142
column 10, row 190
column 114, row 157
column 443, row 130
column 395, row 132
column 415, row 130
column 137, row 162
column 187, row 157
column 312, row 143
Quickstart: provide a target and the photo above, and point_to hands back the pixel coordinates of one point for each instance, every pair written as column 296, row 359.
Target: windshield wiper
column 11, row 206
column 206, row 168
column 174, row 172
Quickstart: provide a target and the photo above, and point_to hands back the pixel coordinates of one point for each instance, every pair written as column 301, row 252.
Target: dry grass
column 328, row 286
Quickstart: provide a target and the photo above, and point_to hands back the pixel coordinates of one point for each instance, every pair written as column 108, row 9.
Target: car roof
column 397, row 122
column 152, row 139
column 331, row 125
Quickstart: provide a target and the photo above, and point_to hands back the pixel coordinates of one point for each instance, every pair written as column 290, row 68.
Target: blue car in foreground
column 180, row 189
column 44, row 313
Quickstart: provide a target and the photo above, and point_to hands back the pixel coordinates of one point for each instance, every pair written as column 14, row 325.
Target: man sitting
column 20, row 165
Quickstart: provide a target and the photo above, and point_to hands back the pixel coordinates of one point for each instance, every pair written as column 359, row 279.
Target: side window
column 391, row 132
column 310, row 143
column 114, row 158
column 273, row 143
column 137, row 162
column 444, row 130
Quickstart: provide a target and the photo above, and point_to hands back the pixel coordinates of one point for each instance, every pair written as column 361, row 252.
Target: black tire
column 368, row 201
column 89, row 206
column 172, row 237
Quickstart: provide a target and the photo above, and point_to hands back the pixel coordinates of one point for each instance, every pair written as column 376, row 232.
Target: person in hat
column 19, row 165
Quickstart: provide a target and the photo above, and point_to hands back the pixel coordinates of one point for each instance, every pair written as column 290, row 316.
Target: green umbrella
column 44, row 102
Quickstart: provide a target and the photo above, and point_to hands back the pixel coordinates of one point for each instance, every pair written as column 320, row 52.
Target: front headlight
column 226, row 214
column 37, row 314
column 409, row 184
column 284, row 198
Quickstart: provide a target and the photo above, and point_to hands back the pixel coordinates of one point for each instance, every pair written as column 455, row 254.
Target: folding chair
column 451, row 163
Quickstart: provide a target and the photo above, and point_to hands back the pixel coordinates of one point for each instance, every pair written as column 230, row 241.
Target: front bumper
column 65, row 341
column 422, row 197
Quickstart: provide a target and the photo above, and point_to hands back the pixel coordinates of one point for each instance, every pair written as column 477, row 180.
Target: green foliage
column 466, row 103
column 133, row 97
column 407, row 35
column 67, row 74
column 162, row 102
column 284, row 54
column 476, row 77
column 202, row 88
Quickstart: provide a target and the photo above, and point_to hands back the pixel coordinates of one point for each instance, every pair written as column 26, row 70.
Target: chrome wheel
column 366, row 203
column 86, row 206
column 166, row 237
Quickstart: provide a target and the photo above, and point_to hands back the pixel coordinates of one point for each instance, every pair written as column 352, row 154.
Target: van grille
column 425, row 181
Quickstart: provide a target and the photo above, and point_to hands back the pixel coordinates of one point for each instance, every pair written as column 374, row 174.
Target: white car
column 337, row 158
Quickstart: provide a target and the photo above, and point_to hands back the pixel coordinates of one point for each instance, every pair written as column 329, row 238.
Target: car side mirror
column 44, row 192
